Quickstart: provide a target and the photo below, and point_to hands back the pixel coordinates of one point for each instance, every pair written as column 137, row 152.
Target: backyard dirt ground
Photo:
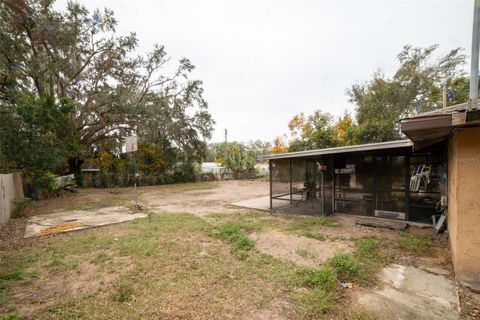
column 197, row 257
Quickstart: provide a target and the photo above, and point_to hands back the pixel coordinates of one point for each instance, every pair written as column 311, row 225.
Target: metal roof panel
column 337, row 150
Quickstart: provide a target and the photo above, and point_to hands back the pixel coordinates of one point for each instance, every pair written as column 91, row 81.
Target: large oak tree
column 76, row 57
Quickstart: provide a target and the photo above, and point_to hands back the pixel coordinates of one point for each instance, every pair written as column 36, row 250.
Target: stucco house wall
column 464, row 205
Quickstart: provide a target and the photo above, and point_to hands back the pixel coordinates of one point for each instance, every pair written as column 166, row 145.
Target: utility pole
column 473, row 97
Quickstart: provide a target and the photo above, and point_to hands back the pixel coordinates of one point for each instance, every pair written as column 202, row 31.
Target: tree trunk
column 75, row 165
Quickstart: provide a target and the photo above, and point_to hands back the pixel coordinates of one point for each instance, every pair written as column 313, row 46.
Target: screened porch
column 386, row 180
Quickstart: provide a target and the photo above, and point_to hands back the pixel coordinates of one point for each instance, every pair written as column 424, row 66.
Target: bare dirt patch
column 202, row 202
column 299, row 250
column 32, row 296
column 277, row 309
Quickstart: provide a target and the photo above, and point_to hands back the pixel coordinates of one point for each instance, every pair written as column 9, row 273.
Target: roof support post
column 333, row 184
column 270, row 171
column 407, row 186
column 290, row 176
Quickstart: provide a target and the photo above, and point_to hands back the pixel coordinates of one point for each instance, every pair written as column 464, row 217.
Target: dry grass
column 167, row 266
column 182, row 266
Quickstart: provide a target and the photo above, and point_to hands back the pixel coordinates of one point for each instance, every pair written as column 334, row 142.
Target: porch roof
column 356, row 148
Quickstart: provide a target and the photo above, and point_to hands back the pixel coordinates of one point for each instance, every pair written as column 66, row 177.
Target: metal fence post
column 290, row 181
column 270, row 170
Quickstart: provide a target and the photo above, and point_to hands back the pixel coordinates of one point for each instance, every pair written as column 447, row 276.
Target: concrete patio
column 66, row 221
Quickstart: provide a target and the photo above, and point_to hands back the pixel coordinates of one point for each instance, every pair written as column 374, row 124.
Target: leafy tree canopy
column 75, row 58
column 415, row 87
column 319, row 130
column 381, row 102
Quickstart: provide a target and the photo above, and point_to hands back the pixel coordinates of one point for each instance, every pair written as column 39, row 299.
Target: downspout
column 473, row 96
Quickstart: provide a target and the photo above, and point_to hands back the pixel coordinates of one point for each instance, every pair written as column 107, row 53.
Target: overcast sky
column 264, row 61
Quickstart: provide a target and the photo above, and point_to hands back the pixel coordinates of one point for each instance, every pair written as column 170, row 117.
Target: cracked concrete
column 59, row 222
column 412, row 293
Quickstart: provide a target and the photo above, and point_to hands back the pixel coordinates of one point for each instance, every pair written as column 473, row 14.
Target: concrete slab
column 66, row 221
column 261, row 203
column 412, row 293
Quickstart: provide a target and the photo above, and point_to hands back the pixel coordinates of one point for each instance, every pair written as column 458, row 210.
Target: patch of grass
column 253, row 221
column 363, row 264
column 467, row 312
column 124, row 292
column 304, row 253
column 363, row 316
column 242, row 255
column 316, row 302
column 413, row 244
column 59, row 265
column 100, row 258
column 179, row 187
column 163, row 267
column 3, row 298
column 15, row 275
column 11, row 316
column 231, row 232
column 232, row 206
column 325, row 278
column 136, row 245
column 314, row 235
column 345, row 265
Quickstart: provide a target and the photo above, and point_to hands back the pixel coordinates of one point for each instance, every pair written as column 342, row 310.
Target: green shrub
column 20, row 204
column 345, row 265
column 41, row 184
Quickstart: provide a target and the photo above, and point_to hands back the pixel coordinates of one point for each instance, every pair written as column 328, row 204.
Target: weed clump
column 314, row 235
column 231, row 232
column 413, row 244
column 15, row 275
column 123, row 293
column 11, row 316
column 361, row 265
column 324, row 278
column 316, row 302
column 345, row 265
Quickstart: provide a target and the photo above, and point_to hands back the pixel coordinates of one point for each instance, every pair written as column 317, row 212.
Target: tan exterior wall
column 464, row 205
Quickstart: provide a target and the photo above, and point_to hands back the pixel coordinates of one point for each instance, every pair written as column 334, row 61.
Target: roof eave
column 338, row 150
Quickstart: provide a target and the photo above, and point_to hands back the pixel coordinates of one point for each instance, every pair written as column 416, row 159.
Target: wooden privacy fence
column 11, row 187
